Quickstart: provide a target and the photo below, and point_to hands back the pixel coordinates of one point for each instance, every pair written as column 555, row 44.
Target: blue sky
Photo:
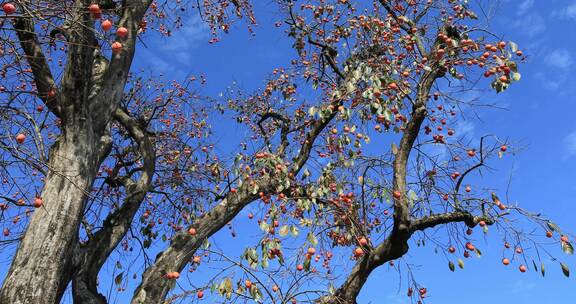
column 538, row 112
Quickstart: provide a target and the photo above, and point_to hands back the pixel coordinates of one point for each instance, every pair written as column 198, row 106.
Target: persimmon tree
column 353, row 153
column 65, row 69
column 416, row 58
column 398, row 68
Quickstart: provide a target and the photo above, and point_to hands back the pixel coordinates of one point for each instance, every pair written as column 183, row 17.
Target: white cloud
column 559, row 58
column 557, row 77
column 522, row 286
column 550, row 82
column 185, row 39
column 175, row 54
column 524, row 7
column 464, row 128
column 568, row 12
column 531, row 25
column 570, row 145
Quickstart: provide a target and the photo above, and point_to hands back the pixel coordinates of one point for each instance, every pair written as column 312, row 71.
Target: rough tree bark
column 85, row 102
column 396, row 243
column 43, row 257
column 90, row 257
column 154, row 287
column 40, row 270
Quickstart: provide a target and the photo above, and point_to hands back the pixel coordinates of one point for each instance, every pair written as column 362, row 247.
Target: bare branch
column 183, row 246
column 445, row 218
column 115, row 227
column 43, row 78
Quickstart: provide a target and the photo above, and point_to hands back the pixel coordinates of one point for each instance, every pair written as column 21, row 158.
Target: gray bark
column 94, row 254
column 49, row 254
column 396, row 244
column 41, row 267
column 154, row 287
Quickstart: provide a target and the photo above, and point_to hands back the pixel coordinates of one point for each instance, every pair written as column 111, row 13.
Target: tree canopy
column 350, row 153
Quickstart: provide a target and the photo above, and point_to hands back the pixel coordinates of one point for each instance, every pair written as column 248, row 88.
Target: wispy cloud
column 524, row 7
column 529, row 21
column 176, row 54
column 559, row 58
column 531, row 25
column 567, row 13
column 186, row 39
column 557, row 77
column 570, row 145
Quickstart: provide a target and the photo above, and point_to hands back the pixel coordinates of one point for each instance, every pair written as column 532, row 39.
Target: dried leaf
column 206, row 244
column 394, row 149
column 565, row 269
column 284, row 230
column 478, row 252
column 227, row 288
column 553, row 227
column 331, row 289
column 118, row 278
column 312, row 111
column 451, row 266
column 264, row 226
column 412, row 196
column 307, row 262
column 513, row 46
column 255, row 293
column 294, row 230
column 567, row 248
column 312, row 239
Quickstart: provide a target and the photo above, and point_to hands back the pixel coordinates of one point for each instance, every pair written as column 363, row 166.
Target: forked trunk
column 42, row 266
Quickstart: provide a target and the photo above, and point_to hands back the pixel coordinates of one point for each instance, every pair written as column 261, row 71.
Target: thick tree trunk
column 42, row 266
column 348, row 292
column 85, row 289
column 88, row 94
column 93, row 254
column 396, row 244
column 390, row 249
column 154, row 287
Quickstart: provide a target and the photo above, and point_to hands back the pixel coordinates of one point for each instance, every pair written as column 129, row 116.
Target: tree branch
column 153, row 287
column 445, row 218
column 396, row 244
column 78, row 70
column 283, row 133
column 116, row 74
column 411, row 23
column 43, row 78
column 115, row 227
